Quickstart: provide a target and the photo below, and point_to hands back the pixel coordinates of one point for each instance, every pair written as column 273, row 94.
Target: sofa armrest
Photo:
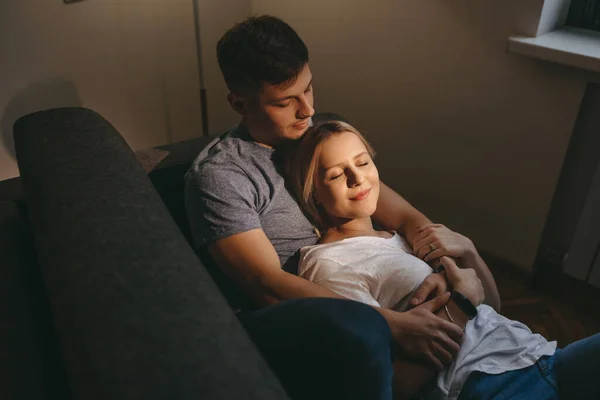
column 136, row 314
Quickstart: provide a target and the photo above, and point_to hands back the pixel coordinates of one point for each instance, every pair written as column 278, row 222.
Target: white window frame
column 551, row 40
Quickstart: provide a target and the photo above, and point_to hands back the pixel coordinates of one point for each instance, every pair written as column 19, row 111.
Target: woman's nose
column 355, row 177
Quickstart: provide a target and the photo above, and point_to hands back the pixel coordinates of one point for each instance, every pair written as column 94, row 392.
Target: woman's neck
column 352, row 228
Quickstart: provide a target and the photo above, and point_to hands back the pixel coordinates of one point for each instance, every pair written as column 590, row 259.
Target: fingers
column 426, row 226
column 425, row 248
column 421, row 241
column 436, row 264
column 432, row 255
column 453, row 336
column 443, row 355
column 452, row 243
column 434, row 285
column 428, row 287
column 445, row 346
column 422, row 293
column 452, row 270
column 441, row 288
column 434, row 361
column 437, row 303
column 442, row 352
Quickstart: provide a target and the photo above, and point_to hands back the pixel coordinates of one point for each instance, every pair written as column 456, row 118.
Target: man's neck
column 261, row 136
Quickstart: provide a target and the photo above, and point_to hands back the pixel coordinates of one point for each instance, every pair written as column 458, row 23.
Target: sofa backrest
column 166, row 166
column 135, row 312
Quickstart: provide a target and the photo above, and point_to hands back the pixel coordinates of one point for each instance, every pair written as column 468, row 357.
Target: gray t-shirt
column 234, row 186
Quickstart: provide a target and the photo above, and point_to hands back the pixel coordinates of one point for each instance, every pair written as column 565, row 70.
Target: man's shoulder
column 231, row 158
column 229, row 151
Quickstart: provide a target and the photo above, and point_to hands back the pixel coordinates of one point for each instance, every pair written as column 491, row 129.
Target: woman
column 332, row 174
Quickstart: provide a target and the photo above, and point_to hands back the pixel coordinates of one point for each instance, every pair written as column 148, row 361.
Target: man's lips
column 362, row 195
column 301, row 125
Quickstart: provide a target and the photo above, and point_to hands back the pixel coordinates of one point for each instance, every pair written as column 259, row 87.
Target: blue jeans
column 571, row 373
column 325, row 348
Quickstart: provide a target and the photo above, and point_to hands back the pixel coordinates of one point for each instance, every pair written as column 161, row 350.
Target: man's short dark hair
column 260, row 50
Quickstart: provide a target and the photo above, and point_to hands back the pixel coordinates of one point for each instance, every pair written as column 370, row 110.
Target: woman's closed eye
column 334, row 174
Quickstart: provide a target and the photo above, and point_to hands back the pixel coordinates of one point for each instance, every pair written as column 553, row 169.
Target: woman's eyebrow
column 339, row 164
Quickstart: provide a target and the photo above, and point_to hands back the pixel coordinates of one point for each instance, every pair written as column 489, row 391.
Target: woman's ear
column 237, row 103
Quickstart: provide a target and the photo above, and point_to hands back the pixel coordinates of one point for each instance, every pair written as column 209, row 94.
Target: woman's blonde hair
column 301, row 168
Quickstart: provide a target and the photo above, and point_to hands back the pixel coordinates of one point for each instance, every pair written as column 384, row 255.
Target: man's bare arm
column 394, row 213
column 251, row 261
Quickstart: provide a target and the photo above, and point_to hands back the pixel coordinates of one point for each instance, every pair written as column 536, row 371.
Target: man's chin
column 296, row 134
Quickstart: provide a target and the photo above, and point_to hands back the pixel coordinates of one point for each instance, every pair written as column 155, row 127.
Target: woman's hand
column 433, row 285
column 464, row 280
column 434, row 241
column 422, row 335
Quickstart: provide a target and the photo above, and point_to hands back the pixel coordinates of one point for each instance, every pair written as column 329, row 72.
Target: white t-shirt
column 383, row 272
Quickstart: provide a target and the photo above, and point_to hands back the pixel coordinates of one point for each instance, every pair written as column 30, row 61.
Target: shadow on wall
column 37, row 96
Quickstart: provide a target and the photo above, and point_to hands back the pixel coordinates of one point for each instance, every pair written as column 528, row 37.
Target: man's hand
column 433, row 285
column 464, row 280
column 422, row 335
column 434, row 241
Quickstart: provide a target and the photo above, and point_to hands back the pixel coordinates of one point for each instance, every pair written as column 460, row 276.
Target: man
column 320, row 346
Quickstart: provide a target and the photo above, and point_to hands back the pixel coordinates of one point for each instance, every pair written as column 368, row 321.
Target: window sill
column 569, row 46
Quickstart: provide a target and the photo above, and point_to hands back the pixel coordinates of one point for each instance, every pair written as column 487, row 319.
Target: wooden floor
column 552, row 316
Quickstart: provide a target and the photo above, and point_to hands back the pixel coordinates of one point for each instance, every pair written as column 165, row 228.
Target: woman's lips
column 362, row 195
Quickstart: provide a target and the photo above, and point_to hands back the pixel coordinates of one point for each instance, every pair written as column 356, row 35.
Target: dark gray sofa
column 103, row 297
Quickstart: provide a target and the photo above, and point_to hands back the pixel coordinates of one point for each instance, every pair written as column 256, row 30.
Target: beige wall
column 471, row 135
column 132, row 61
column 215, row 20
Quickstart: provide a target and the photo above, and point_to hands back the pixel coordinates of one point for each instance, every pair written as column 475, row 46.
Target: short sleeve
column 220, row 201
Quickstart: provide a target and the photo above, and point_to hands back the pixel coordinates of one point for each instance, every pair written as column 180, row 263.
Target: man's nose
column 305, row 109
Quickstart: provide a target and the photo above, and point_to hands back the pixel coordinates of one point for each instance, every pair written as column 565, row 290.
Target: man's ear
column 238, row 103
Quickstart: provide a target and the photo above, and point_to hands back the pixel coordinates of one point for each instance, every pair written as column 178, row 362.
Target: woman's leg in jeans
column 325, row 348
column 577, row 369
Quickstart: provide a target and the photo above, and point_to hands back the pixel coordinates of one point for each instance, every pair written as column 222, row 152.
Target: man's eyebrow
column 337, row 165
column 291, row 97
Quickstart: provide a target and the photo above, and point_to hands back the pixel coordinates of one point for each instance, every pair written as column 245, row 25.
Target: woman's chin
column 370, row 209
column 364, row 213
